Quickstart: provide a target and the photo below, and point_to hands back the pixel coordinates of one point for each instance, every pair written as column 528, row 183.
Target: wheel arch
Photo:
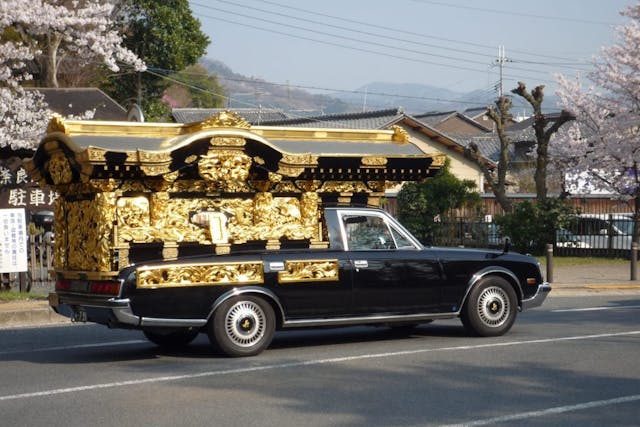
column 266, row 294
column 502, row 272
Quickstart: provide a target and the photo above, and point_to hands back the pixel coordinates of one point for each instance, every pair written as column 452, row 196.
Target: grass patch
column 7, row 296
column 578, row 261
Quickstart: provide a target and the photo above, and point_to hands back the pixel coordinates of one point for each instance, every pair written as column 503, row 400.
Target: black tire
column 171, row 338
column 242, row 326
column 490, row 308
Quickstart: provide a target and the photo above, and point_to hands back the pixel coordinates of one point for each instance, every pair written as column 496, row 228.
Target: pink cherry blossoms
column 49, row 30
column 600, row 150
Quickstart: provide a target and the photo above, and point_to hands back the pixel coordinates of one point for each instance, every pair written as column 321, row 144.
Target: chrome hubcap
column 493, row 306
column 245, row 323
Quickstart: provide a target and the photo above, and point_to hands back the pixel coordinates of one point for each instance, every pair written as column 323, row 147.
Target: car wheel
column 242, row 326
column 171, row 338
column 491, row 308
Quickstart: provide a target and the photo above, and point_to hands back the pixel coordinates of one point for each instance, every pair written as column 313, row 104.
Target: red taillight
column 63, row 285
column 105, row 288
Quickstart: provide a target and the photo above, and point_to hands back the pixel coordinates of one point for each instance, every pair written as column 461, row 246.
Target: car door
column 310, row 284
column 391, row 273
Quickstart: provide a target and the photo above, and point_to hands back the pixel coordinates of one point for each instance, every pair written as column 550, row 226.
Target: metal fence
column 36, row 278
column 587, row 235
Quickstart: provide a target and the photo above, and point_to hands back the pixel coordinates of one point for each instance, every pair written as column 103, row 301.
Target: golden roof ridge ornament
column 400, row 135
column 57, row 124
column 224, row 119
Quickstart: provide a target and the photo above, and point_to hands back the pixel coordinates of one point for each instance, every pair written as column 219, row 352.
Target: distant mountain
column 247, row 92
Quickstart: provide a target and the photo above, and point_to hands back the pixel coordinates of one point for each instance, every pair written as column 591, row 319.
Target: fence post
column 634, row 261
column 549, row 254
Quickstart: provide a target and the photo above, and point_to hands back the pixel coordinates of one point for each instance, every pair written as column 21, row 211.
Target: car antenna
column 507, row 245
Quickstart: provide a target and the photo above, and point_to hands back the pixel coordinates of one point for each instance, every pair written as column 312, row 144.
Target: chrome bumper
column 116, row 310
column 538, row 298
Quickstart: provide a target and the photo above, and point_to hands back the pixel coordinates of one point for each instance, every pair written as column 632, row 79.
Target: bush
column 533, row 224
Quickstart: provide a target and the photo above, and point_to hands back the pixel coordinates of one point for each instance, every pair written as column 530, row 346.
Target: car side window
column 367, row 233
column 401, row 241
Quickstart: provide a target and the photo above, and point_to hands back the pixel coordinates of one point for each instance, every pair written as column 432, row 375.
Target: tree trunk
column 50, row 60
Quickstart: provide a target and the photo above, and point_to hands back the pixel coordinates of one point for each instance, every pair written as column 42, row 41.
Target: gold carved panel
column 229, row 170
column 90, row 233
column 324, row 270
column 213, row 274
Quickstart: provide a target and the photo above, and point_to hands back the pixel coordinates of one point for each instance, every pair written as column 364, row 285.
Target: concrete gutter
column 28, row 313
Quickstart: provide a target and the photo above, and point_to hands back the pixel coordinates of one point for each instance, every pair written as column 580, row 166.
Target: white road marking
column 74, row 347
column 549, row 411
column 568, row 310
column 89, row 387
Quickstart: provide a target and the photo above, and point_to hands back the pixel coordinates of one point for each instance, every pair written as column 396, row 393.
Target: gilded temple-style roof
column 131, row 150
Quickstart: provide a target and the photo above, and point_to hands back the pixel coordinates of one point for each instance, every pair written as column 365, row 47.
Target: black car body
column 387, row 277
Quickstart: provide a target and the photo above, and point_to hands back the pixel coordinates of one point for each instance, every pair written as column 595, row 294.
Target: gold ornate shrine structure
column 131, row 192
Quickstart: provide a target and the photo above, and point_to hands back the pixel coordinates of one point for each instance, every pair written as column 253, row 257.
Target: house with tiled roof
column 255, row 116
column 75, row 101
column 453, row 123
column 428, row 138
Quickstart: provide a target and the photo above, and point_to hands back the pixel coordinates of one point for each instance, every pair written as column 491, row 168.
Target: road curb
column 30, row 317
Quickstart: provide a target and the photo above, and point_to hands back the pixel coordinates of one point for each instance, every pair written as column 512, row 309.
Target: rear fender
column 269, row 296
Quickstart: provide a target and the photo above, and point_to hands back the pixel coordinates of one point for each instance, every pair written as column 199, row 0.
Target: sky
column 451, row 44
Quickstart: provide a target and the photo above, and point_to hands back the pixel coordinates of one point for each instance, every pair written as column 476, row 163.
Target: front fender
column 497, row 271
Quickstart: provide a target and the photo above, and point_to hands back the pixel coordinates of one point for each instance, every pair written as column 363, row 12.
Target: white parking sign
column 13, row 241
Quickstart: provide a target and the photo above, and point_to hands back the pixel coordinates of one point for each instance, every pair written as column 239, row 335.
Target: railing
column 36, row 278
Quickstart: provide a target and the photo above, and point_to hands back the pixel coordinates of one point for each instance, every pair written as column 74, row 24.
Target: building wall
column 460, row 166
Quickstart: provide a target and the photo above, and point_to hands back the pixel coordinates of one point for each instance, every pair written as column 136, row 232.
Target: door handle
column 360, row 263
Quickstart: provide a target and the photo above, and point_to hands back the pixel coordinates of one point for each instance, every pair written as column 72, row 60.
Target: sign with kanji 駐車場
column 13, row 241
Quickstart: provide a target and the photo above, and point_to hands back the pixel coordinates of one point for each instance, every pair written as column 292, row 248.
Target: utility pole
column 501, row 61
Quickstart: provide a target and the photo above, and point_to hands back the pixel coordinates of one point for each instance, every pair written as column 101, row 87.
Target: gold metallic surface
column 374, row 161
column 400, row 135
column 57, row 124
column 206, row 186
column 222, row 119
column 60, row 169
column 90, row 225
column 325, row 270
column 214, row 274
column 438, row 160
column 228, row 169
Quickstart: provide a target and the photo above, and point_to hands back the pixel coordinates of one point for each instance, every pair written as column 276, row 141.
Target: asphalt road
column 574, row 361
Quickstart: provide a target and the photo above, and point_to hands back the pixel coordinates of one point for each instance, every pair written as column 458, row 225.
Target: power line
column 526, row 15
column 403, row 31
column 360, row 49
column 165, row 74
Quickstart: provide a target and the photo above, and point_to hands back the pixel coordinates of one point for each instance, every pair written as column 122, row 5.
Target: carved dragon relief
column 309, row 271
column 214, row 274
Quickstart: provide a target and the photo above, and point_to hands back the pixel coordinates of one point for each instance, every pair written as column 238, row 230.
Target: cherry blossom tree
column 46, row 32
column 600, row 150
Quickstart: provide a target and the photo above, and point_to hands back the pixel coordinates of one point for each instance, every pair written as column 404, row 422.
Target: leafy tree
column 200, row 89
column 600, row 150
column 420, row 203
column 167, row 37
column 533, row 224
